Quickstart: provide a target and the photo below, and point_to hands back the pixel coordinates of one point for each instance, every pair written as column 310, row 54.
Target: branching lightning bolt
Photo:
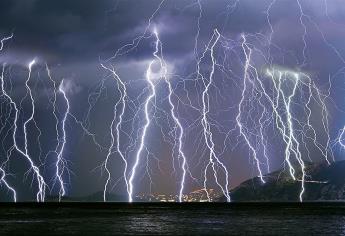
column 2, row 168
column 122, row 101
column 172, row 111
column 238, row 117
column 147, row 122
column 213, row 159
column 60, row 162
column 40, row 196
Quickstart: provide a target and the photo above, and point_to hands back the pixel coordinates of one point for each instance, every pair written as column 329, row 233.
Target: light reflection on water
column 174, row 219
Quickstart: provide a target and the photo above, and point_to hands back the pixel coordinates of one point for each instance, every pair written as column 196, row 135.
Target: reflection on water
column 173, row 219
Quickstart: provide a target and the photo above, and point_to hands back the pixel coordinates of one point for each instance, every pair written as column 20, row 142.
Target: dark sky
column 74, row 36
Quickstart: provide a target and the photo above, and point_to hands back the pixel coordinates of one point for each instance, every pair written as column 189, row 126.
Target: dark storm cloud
column 48, row 27
column 73, row 29
column 82, row 30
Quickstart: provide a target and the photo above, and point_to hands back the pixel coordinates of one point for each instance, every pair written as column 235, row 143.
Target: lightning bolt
column 238, row 117
column 135, row 42
column 8, row 186
column 60, row 162
column 292, row 137
column 214, row 161
column 163, row 66
column 2, row 168
column 61, row 165
column 122, row 101
column 340, row 138
column 40, row 196
column 58, row 153
column 3, row 40
column 147, row 120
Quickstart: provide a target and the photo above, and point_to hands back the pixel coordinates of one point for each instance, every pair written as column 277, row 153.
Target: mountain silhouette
column 323, row 183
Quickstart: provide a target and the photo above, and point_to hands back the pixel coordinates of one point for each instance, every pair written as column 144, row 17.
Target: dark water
column 173, row 219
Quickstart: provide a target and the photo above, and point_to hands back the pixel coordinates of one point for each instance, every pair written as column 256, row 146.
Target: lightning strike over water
column 122, row 101
column 163, row 65
column 202, row 97
column 213, row 159
column 60, row 163
column 4, row 182
column 2, row 168
column 40, row 196
column 58, row 153
column 147, row 121
column 40, row 180
column 238, row 117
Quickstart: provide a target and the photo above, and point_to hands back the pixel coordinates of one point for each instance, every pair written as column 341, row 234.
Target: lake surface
column 172, row 219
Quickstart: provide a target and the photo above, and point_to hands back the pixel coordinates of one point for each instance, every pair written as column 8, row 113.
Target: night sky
column 73, row 38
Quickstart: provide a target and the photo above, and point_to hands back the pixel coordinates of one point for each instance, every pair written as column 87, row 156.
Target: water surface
column 172, row 219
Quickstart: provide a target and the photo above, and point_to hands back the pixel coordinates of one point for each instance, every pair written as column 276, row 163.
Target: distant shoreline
column 171, row 204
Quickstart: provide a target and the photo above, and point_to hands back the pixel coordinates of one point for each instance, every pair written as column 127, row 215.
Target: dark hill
column 323, row 183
